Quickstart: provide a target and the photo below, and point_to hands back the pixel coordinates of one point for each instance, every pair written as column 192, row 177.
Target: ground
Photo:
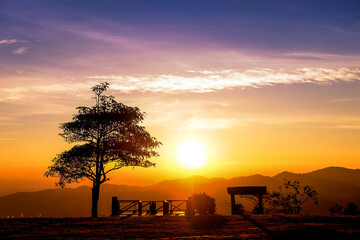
column 181, row 227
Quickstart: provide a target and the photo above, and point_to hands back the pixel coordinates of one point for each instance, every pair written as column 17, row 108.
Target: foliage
column 203, row 203
column 291, row 197
column 253, row 199
column 336, row 209
column 110, row 137
column 352, row 209
column 239, row 208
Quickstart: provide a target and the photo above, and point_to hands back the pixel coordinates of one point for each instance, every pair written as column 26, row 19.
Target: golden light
column 191, row 154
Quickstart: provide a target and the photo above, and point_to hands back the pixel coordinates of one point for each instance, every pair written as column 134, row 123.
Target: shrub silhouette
column 351, row 209
column 336, row 209
column 203, row 204
column 239, row 208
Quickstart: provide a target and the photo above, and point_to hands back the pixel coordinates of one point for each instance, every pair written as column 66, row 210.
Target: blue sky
column 268, row 26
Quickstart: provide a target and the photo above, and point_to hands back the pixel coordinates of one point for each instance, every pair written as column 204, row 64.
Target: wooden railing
column 149, row 207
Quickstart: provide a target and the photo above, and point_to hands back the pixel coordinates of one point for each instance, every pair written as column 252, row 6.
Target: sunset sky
column 264, row 86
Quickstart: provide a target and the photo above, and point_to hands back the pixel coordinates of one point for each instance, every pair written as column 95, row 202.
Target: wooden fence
column 150, row 207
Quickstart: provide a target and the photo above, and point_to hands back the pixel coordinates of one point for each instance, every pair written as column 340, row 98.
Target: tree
column 291, row 197
column 111, row 137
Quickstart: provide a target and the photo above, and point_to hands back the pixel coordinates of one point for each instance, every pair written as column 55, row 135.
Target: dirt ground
column 181, row 227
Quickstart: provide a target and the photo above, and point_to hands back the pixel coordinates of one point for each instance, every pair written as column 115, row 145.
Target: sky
column 264, row 86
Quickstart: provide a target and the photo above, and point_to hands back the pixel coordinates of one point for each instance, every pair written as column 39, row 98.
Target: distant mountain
column 344, row 175
column 334, row 184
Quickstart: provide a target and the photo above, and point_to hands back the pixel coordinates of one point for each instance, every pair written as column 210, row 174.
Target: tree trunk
column 95, row 198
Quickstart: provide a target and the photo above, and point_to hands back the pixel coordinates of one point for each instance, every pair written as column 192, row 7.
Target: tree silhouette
column 351, row 209
column 291, row 197
column 111, row 137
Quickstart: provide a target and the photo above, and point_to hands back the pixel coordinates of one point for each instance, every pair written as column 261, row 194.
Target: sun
column 191, row 154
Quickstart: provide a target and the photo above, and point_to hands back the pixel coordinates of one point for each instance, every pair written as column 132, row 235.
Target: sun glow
column 191, row 154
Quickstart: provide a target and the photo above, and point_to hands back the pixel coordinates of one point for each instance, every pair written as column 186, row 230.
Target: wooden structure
column 141, row 207
column 258, row 191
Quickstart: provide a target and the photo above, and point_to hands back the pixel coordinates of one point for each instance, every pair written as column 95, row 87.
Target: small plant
column 239, row 208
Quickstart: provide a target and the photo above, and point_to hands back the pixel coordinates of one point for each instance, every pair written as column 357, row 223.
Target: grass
column 181, row 227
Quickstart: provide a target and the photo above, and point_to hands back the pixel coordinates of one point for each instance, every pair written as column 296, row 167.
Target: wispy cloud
column 33, row 91
column 10, row 124
column 7, row 139
column 210, row 123
column 340, row 100
column 20, row 50
column 210, row 81
column 11, row 41
column 14, row 93
column 350, row 127
column 188, row 82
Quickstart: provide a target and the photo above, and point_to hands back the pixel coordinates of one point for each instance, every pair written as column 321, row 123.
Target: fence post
column 165, row 208
column 190, row 206
column 140, row 208
column 261, row 208
column 234, row 211
column 171, row 207
column 152, row 208
column 115, row 207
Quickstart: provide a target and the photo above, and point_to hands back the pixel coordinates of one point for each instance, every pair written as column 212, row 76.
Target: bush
column 336, row 209
column 203, row 204
column 351, row 209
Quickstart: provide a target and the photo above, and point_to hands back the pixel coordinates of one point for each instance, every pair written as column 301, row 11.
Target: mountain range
column 334, row 185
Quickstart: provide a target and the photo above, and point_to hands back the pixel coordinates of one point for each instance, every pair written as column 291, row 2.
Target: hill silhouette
column 334, row 184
